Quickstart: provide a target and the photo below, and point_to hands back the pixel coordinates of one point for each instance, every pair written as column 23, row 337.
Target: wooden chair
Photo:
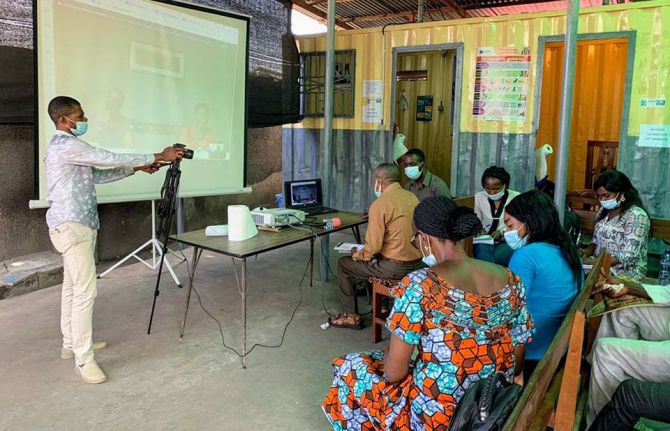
column 380, row 288
column 606, row 159
column 465, row 201
column 596, row 164
column 660, row 228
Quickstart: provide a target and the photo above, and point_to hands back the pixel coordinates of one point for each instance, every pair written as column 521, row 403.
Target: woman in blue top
column 547, row 262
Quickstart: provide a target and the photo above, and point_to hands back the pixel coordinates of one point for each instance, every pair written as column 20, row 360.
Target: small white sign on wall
column 373, row 88
column 373, row 112
column 654, row 135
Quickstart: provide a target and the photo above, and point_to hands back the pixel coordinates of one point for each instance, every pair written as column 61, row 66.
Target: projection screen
column 148, row 74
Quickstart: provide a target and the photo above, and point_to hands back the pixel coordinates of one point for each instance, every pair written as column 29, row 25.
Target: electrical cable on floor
column 325, row 258
column 223, row 340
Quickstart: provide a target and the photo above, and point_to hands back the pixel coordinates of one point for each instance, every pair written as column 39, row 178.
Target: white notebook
column 218, row 230
column 345, row 247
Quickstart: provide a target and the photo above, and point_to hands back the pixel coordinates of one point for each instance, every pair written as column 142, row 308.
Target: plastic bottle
column 664, row 273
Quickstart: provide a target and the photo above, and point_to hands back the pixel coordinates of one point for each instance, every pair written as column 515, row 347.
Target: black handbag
column 486, row 405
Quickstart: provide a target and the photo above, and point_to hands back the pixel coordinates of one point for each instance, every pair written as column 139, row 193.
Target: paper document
column 483, row 239
column 218, row 230
column 345, row 247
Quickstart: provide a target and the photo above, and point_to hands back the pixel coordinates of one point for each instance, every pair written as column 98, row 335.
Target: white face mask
column 378, row 189
column 497, row 196
column 413, row 172
column 611, row 204
column 513, row 240
column 429, row 259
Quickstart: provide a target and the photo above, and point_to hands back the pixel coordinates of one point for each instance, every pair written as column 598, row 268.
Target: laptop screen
column 304, row 193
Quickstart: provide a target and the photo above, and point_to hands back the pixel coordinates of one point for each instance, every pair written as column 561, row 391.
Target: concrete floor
column 156, row 382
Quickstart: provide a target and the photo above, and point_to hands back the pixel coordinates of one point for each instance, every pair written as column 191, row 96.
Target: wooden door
column 434, row 137
column 600, row 76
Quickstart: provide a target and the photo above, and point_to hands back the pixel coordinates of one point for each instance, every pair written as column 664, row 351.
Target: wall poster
column 501, row 84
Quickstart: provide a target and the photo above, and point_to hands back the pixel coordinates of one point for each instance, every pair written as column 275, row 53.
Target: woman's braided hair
column 440, row 217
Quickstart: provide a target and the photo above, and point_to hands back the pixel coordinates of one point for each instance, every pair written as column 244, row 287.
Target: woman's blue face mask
column 513, row 240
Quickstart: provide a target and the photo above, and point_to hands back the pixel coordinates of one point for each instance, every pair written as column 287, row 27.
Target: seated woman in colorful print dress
column 622, row 226
column 467, row 318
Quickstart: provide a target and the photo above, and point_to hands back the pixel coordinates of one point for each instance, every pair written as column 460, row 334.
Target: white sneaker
column 91, row 372
column 69, row 354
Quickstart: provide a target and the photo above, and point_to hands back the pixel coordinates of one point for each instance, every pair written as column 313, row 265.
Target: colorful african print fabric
column 625, row 237
column 461, row 338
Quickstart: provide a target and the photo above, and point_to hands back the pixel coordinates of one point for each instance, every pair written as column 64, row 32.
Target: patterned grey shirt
column 71, row 177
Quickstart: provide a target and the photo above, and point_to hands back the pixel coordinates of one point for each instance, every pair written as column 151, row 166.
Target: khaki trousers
column 76, row 243
column 632, row 343
column 350, row 271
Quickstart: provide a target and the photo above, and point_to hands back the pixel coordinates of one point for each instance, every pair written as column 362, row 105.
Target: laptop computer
column 306, row 195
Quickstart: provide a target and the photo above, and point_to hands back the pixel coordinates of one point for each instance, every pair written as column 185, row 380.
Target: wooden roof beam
column 454, row 7
column 409, row 15
column 315, row 2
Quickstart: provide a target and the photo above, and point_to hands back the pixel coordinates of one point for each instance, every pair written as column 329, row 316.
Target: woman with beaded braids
column 467, row 318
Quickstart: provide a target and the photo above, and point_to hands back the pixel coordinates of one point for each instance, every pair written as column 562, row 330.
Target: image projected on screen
column 148, row 75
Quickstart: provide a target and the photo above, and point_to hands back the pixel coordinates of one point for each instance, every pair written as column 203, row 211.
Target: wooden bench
column 553, row 391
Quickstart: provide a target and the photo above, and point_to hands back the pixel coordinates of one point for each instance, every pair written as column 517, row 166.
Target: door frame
column 458, row 78
column 630, row 36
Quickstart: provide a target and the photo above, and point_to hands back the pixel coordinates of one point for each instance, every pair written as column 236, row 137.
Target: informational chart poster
column 501, row 84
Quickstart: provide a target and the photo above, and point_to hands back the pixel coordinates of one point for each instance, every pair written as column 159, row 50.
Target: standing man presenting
column 73, row 221
column 423, row 183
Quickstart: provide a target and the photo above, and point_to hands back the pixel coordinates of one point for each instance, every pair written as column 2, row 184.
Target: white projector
column 275, row 217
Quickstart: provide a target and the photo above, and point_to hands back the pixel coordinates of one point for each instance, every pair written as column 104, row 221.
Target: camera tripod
column 166, row 210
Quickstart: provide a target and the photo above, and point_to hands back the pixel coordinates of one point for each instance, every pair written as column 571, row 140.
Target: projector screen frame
column 36, row 202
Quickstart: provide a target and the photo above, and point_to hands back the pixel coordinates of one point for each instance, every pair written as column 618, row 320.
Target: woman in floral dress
column 622, row 226
column 467, row 318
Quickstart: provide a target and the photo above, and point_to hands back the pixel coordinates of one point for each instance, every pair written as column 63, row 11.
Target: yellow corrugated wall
column 374, row 59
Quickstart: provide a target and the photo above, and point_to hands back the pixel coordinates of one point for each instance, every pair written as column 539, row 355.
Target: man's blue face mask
column 80, row 127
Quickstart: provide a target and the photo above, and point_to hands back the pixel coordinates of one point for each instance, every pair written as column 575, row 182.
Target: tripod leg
column 196, row 257
column 244, row 313
column 158, row 245
column 156, row 292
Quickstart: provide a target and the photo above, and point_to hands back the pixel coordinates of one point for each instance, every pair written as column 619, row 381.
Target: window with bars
column 313, row 84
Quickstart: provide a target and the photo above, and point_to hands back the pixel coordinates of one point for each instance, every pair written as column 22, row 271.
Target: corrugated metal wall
column 511, row 143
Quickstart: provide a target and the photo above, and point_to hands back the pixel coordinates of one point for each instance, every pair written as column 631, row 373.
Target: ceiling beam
column 455, row 8
column 408, row 15
column 315, row 2
column 319, row 15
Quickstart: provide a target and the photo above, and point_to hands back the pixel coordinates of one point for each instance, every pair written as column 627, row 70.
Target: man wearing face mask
column 388, row 252
column 73, row 221
column 423, row 183
column 490, row 208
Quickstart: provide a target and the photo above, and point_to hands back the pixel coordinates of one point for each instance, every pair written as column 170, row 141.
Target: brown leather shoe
column 346, row 320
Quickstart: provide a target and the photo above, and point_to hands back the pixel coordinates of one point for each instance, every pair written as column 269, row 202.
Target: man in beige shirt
column 388, row 250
